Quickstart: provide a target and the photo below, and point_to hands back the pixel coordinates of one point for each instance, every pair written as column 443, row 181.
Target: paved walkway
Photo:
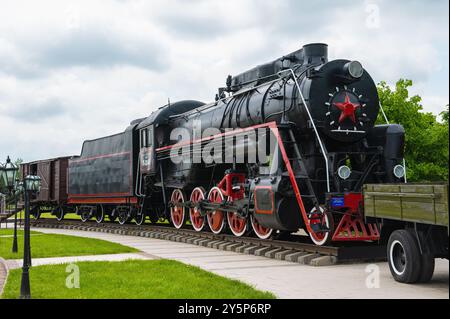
column 285, row 279
column 17, row 263
column 3, row 273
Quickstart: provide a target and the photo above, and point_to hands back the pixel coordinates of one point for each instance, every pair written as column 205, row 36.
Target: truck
column 413, row 219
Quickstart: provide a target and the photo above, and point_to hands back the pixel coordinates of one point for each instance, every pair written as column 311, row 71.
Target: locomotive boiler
column 286, row 145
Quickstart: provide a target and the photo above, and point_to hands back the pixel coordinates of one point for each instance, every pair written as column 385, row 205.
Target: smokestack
column 315, row 53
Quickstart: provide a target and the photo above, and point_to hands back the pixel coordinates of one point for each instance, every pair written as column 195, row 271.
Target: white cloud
column 70, row 71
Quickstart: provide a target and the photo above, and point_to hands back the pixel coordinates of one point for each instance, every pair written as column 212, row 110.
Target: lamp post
column 18, row 189
column 9, row 178
column 31, row 184
column 2, row 182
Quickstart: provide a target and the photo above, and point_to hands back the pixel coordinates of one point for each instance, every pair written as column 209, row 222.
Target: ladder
column 302, row 178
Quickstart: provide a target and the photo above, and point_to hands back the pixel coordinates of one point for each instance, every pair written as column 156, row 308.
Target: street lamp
column 31, row 185
column 9, row 176
column 16, row 195
column 2, row 178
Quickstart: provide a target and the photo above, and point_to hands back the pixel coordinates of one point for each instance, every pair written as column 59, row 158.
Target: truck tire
column 404, row 257
column 427, row 270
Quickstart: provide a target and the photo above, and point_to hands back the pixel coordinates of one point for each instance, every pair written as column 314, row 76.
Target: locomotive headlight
column 399, row 171
column 354, row 69
column 344, row 172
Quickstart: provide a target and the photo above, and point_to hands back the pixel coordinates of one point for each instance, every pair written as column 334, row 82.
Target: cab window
column 143, row 137
column 146, row 137
column 149, row 136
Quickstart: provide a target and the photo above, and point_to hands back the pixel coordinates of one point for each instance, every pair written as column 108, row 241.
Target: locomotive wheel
column 153, row 218
column 59, row 213
column 85, row 216
column 123, row 216
column 99, row 214
column 321, row 238
column 216, row 218
column 139, row 219
column 238, row 225
column 36, row 212
column 177, row 213
column 112, row 217
column 260, row 231
column 197, row 221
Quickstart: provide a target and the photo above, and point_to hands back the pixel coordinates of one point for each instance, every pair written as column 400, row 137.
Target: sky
column 77, row 70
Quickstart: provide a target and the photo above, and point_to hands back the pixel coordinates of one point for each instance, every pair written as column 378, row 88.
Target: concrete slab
column 305, row 259
column 282, row 254
column 262, row 251
column 323, row 261
column 271, row 253
column 224, row 245
column 232, row 247
column 211, row 243
column 250, row 250
column 216, row 244
column 241, row 249
column 294, row 256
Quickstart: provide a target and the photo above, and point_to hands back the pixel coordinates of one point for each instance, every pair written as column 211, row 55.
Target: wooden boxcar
column 415, row 220
column 53, row 174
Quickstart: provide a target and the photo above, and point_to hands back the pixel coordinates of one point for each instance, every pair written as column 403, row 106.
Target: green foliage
column 137, row 279
column 426, row 145
column 444, row 116
column 17, row 162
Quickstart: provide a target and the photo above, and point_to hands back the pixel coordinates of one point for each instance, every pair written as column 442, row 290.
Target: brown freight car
column 53, row 195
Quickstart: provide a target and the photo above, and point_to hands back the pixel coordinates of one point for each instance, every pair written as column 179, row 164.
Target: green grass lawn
column 54, row 245
column 136, row 279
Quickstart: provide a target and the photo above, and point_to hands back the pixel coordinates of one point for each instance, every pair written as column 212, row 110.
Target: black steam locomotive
column 286, row 145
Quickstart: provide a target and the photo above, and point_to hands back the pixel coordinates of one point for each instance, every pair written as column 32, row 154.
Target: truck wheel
column 404, row 256
column 427, row 268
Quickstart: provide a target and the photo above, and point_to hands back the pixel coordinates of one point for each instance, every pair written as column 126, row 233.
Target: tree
column 426, row 142
column 444, row 116
column 17, row 163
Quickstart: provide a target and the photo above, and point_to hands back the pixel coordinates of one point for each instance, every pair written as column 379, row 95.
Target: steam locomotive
column 285, row 146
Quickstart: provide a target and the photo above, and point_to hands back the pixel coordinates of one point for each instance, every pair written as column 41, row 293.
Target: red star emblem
column 348, row 109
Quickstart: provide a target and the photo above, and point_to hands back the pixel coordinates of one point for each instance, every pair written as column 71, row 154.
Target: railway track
column 293, row 250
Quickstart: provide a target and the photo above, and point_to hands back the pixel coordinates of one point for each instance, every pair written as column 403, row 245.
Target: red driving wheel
column 197, row 221
column 177, row 212
column 238, row 225
column 216, row 218
column 260, row 231
column 326, row 220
